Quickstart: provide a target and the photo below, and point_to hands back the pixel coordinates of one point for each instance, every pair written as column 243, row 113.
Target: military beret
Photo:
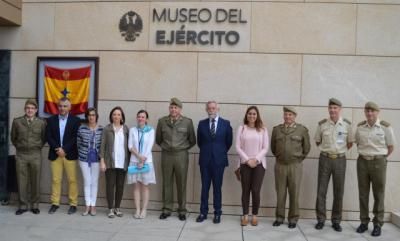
column 31, row 102
column 175, row 101
column 371, row 105
column 334, row 101
column 289, row 109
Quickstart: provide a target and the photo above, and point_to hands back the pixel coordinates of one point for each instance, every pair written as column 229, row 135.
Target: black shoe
column 377, row 231
column 201, row 218
column 319, row 225
column 217, row 219
column 182, row 217
column 292, row 225
column 20, row 211
column 362, row 228
column 337, row 227
column 277, row 223
column 53, row 209
column 35, row 210
column 71, row 210
column 164, row 215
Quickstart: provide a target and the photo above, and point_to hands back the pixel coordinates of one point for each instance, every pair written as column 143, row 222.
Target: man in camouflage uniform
column 375, row 141
column 175, row 135
column 333, row 137
column 28, row 135
column 290, row 143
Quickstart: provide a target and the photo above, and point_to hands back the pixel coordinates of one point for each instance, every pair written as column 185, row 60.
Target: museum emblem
column 130, row 26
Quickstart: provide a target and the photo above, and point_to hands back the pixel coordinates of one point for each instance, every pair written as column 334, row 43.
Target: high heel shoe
column 254, row 221
column 244, row 221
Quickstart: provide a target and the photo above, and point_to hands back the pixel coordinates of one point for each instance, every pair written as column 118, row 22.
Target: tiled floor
column 60, row 227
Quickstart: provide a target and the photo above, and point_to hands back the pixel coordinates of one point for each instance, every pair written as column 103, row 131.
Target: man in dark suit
column 61, row 132
column 214, row 138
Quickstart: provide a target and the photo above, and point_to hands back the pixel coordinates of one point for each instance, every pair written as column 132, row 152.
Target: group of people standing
column 114, row 149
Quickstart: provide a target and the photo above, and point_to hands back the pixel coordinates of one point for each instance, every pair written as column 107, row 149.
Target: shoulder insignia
column 385, row 123
column 302, row 126
column 362, row 123
column 322, row 121
column 347, row 121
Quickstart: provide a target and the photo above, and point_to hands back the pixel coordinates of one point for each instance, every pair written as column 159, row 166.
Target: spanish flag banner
column 70, row 83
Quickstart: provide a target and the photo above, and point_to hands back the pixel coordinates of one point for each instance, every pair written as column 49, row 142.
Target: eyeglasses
column 62, row 105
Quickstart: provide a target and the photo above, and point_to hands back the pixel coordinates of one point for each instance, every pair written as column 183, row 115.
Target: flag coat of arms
column 71, row 83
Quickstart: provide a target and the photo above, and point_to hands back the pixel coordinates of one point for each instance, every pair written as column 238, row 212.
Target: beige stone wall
column 295, row 52
column 10, row 12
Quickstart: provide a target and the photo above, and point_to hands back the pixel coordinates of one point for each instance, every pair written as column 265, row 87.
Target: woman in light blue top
column 140, row 144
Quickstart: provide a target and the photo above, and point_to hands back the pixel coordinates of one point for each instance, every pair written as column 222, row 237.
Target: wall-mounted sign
column 196, row 26
column 188, row 17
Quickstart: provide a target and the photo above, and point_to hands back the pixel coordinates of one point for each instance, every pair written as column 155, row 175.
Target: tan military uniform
column 333, row 139
column 28, row 137
column 372, row 143
column 175, row 139
column 290, row 145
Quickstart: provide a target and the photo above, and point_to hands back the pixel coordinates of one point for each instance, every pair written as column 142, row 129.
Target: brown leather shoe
column 245, row 221
column 254, row 221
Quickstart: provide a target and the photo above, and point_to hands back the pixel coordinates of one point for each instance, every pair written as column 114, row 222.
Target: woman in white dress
column 140, row 144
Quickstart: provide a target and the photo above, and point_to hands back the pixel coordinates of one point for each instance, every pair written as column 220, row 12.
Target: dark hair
column 122, row 113
column 87, row 112
column 259, row 123
column 143, row 111
column 64, row 99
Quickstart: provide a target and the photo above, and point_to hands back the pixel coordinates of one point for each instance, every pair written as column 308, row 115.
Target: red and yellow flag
column 70, row 83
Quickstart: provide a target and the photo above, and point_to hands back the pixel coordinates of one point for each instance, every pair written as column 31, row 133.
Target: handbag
column 237, row 174
column 135, row 169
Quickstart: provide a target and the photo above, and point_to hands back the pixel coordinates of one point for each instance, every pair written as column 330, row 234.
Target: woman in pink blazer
column 252, row 146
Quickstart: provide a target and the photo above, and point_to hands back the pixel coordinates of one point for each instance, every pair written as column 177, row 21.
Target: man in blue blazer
column 214, row 138
column 61, row 133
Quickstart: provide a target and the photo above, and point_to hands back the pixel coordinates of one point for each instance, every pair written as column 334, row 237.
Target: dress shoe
column 53, row 209
column 217, row 219
column 292, row 225
column 182, row 217
column 362, row 228
column 244, row 221
column 20, row 211
column 35, row 210
column 71, row 210
column 164, row 215
column 337, row 227
column 277, row 223
column 376, row 231
column 319, row 225
column 201, row 218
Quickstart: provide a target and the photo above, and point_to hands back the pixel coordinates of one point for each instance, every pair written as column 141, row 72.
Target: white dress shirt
column 62, row 122
column 216, row 123
column 119, row 150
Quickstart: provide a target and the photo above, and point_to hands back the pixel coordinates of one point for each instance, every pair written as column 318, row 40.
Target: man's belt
column 373, row 157
column 333, row 156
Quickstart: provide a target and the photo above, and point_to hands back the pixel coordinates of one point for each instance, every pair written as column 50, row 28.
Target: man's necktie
column 212, row 128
